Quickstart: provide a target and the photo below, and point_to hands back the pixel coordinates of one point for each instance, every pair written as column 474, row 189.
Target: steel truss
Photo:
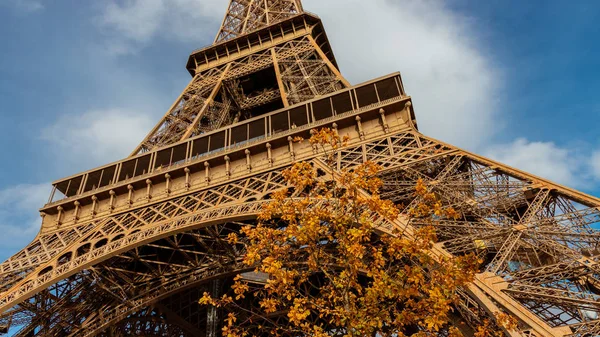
column 139, row 268
column 246, row 16
column 215, row 98
column 535, row 236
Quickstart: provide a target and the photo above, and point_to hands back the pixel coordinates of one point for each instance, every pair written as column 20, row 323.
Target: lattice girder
column 301, row 71
column 71, row 234
column 195, row 257
column 466, row 182
column 246, row 16
column 130, row 256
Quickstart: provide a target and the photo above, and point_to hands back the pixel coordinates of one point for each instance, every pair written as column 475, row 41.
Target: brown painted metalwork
column 127, row 248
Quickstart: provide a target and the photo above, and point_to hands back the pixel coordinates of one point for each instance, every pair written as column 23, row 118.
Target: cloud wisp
column 79, row 142
column 595, row 162
column 454, row 84
column 26, row 6
column 97, row 137
column 133, row 24
column 563, row 165
column 19, row 220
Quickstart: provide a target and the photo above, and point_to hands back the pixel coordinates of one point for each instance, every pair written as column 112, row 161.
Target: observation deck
column 83, row 195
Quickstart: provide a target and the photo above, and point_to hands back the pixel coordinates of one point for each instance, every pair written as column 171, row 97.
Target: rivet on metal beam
column 168, row 184
column 148, row 189
column 130, row 194
column 361, row 133
column 207, row 172
column 291, row 143
column 77, row 205
column 227, row 166
column 386, row 127
column 248, row 161
column 187, row 178
column 269, row 154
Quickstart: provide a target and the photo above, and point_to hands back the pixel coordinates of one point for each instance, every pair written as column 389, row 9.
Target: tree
column 334, row 268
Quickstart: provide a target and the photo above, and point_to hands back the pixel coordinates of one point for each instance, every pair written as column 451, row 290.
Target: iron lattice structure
column 128, row 248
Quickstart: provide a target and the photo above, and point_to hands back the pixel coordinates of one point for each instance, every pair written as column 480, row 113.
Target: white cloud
column 25, row 5
column 132, row 24
column 547, row 160
column 454, row 85
column 97, row 137
column 19, row 218
column 595, row 164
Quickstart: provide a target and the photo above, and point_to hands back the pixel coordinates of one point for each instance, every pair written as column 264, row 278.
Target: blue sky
column 81, row 82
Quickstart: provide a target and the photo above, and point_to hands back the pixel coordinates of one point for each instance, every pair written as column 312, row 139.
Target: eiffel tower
column 128, row 248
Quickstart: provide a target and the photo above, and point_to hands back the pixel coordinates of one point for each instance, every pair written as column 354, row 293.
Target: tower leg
column 212, row 315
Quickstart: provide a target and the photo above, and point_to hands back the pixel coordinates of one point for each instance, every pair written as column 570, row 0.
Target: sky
column 82, row 82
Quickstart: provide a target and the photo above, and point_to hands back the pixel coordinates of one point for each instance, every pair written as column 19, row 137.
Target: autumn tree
column 336, row 260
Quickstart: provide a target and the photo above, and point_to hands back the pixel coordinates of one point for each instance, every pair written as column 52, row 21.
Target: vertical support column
column 328, row 62
column 117, row 173
column 129, row 194
column 59, row 216
column 228, row 166
column 334, row 126
column 153, row 156
column 339, row 153
column 50, row 199
column 282, row 91
column 84, row 182
column 111, row 206
column 247, row 18
column 361, row 133
column 76, row 213
column 167, row 184
column 207, row 172
column 391, row 146
column 140, row 147
column 291, row 144
column 94, row 205
column 410, row 120
column 212, row 315
column 384, row 123
column 269, row 155
column 248, row 161
column 207, row 103
column 187, row 178
column 267, row 10
column 148, row 190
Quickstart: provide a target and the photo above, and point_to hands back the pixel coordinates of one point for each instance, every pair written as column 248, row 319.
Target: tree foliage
column 339, row 262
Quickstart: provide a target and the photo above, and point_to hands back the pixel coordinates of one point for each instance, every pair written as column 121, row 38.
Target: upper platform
column 245, row 16
column 248, row 43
